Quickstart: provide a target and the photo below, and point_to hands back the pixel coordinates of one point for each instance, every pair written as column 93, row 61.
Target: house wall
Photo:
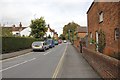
column 110, row 22
column 15, row 32
column 77, row 41
column 49, row 33
column 81, row 35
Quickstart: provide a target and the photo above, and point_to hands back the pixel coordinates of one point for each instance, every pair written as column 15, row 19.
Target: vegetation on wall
column 92, row 41
column 102, row 41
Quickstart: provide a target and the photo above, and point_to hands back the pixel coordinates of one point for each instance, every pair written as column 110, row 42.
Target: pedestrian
column 80, row 42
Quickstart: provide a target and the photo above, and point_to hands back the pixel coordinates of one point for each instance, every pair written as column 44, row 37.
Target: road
column 48, row 64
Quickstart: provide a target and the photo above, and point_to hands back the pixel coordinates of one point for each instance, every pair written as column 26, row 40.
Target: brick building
column 104, row 27
column 55, row 36
column 80, row 33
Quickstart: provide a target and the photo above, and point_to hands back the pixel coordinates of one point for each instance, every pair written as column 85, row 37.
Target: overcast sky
column 57, row 13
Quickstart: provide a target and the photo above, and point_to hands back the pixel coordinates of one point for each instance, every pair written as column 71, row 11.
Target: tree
column 7, row 32
column 69, row 29
column 62, row 37
column 38, row 28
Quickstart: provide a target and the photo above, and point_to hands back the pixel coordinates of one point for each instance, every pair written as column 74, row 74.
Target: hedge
column 11, row 44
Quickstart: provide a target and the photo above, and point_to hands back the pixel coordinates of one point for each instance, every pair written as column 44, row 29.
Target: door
column 96, row 41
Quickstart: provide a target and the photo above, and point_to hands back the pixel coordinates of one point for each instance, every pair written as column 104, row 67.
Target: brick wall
column 106, row 66
column 76, row 44
column 110, row 22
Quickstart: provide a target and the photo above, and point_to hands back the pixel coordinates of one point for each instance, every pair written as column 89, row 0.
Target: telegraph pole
column 68, row 34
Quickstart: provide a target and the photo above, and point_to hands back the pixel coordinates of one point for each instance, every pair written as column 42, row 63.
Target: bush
column 11, row 44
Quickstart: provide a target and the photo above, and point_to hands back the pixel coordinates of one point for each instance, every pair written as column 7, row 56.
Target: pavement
column 14, row 54
column 75, row 66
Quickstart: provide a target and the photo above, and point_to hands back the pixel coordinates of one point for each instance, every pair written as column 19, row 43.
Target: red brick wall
column 76, row 44
column 110, row 22
column 81, row 35
column 106, row 66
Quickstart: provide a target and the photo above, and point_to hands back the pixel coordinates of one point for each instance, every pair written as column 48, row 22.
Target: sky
column 57, row 13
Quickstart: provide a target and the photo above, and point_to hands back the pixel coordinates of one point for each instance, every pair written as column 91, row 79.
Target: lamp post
column 69, row 34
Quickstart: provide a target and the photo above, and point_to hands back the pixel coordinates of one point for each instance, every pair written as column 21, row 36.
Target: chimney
column 48, row 26
column 20, row 25
column 13, row 25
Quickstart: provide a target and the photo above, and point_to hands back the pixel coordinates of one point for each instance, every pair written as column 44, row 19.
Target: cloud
column 57, row 13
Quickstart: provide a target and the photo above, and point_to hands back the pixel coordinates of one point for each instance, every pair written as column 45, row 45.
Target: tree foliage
column 38, row 27
column 6, row 32
column 62, row 37
column 70, row 26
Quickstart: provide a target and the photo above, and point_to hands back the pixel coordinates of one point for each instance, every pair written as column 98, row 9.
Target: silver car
column 39, row 45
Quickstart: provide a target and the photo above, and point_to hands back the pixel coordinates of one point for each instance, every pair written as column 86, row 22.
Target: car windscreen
column 37, row 43
column 49, row 41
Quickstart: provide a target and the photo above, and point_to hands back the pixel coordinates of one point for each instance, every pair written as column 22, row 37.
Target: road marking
column 59, row 65
column 17, row 64
column 47, row 53
column 16, row 57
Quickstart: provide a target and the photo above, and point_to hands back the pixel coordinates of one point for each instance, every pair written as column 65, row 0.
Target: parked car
column 56, row 42
column 47, row 45
column 65, row 41
column 59, row 41
column 51, row 43
column 39, row 45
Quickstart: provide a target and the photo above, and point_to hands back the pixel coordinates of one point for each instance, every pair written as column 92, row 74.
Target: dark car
column 56, row 42
column 51, row 43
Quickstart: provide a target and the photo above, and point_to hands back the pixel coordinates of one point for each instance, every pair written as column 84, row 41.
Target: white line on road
column 47, row 52
column 17, row 64
column 59, row 65
column 16, row 57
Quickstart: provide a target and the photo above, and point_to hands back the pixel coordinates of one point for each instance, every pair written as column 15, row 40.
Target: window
column 116, row 33
column 101, row 16
column 90, row 35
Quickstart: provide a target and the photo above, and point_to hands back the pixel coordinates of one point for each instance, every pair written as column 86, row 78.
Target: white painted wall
column 49, row 33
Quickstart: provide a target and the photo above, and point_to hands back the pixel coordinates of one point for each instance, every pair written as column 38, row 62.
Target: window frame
column 101, row 17
column 116, row 33
column 91, row 37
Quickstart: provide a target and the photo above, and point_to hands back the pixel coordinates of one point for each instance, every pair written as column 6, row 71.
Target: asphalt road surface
column 48, row 64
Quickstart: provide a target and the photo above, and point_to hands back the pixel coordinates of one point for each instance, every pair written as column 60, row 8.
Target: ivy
column 92, row 41
column 102, row 41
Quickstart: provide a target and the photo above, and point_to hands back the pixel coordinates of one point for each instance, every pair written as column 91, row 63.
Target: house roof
column 82, row 29
column 90, row 7
column 15, row 28
column 55, row 33
column 51, row 30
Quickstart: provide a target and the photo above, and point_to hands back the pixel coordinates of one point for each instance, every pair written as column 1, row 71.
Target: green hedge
column 11, row 44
